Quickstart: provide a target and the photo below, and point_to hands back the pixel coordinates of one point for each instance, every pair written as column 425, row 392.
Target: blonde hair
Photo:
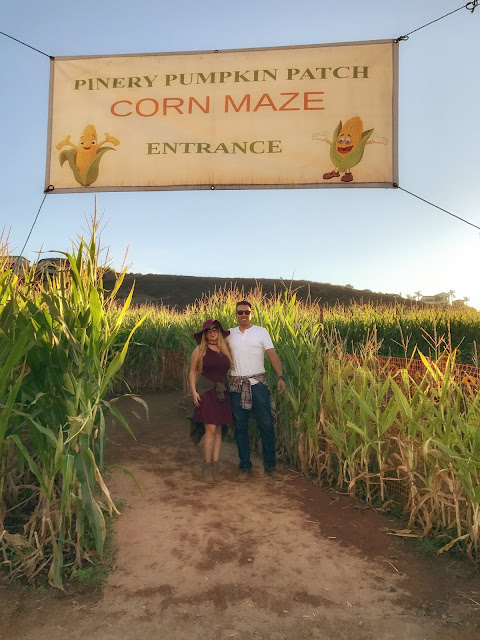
column 222, row 344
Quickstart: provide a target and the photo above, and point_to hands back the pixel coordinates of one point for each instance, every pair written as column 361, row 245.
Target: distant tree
column 349, row 286
column 410, row 297
column 418, row 295
column 451, row 295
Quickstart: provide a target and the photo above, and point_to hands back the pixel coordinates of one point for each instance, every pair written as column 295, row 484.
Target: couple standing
column 241, row 350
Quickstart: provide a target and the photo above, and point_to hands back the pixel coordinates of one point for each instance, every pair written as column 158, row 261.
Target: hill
column 180, row 291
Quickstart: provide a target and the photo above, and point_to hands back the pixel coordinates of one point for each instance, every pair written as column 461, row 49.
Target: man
column 249, row 392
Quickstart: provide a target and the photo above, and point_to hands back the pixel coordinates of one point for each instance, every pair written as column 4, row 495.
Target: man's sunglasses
column 241, row 313
column 211, row 329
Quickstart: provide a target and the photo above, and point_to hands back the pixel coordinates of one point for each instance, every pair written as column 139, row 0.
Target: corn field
column 384, row 434
column 59, row 353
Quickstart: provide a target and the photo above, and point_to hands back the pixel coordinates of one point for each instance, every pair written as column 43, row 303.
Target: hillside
column 180, row 291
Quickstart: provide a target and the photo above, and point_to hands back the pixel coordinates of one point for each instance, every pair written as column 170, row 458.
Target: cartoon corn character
column 84, row 159
column 347, row 147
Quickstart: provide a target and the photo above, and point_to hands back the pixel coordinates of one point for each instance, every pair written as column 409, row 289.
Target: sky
column 384, row 240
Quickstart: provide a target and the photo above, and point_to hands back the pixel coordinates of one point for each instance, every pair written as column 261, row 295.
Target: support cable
column 20, row 255
column 437, row 207
column 26, row 45
column 470, row 6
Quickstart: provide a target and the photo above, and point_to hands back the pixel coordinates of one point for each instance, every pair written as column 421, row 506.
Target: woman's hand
column 196, row 398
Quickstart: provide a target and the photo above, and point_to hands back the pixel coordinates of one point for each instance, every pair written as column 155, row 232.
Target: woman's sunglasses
column 211, row 329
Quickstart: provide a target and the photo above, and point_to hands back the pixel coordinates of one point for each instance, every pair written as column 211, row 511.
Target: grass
column 93, row 576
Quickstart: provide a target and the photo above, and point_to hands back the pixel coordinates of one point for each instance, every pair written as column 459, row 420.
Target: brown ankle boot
column 217, row 474
column 207, row 472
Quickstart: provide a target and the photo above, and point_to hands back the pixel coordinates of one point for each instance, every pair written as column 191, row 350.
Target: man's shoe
column 244, row 476
column 273, row 474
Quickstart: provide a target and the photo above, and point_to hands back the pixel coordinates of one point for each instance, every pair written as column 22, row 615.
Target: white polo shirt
column 248, row 350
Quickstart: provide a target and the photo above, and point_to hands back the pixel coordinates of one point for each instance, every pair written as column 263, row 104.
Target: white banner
column 313, row 116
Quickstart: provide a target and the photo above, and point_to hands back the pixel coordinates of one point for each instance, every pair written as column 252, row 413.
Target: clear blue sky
column 378, row 239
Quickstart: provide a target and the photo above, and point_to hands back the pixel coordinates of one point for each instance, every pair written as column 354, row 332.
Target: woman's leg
column 209, row 441
column 217, row 475
column 217, row 443
column 208, row 444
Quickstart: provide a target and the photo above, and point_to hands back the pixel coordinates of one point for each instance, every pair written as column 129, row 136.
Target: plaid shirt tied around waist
column 242, row 385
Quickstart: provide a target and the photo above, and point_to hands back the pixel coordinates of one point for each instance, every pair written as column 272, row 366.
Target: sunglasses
column 211, row 329
column 246, row 313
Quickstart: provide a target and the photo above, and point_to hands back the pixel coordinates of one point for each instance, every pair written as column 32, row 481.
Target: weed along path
column 261, row 560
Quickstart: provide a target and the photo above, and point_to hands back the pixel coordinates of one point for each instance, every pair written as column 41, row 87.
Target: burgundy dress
column 211, row 411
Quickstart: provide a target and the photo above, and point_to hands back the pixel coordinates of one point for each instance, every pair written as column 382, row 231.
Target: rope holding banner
column 26, row 45
column 470, row 6
column 396, row 186
column 20, row 255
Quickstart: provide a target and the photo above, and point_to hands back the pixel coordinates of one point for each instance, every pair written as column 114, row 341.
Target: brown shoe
column 332, row 174
column 348, row 177
column 273, row 474
column 207, row 475
column 244, row 476
column 216, row 472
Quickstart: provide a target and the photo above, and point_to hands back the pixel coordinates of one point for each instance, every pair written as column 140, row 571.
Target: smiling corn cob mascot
column 84, row 159
column 347, row 147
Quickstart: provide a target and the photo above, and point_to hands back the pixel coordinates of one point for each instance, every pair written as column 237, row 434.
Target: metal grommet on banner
column 395, row 185
column 215, row 51
column 212, row 187
column 401, row 38
column 49, row 188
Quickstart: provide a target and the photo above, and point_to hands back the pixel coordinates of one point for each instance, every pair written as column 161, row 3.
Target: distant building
column 438, row 298
column 19, row 264
column 51, row 266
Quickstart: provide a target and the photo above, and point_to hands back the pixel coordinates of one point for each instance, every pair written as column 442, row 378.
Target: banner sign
column 313, row 116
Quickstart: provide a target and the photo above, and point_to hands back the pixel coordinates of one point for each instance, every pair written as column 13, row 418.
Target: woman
column 210, row 363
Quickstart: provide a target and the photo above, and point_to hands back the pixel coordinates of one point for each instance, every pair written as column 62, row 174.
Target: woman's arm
column 192, row 376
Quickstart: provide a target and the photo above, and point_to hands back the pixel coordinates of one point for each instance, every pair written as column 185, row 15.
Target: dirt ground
column 262, row 560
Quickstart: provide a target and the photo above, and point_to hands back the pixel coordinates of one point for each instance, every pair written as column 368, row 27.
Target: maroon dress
column 211, row 411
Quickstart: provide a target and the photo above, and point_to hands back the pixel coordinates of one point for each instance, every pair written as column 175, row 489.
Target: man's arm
column 277, row 366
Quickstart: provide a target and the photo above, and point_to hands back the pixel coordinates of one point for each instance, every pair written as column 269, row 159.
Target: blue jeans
column 263, row 417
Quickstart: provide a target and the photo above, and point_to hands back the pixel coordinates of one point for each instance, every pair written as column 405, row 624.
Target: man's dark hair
column 243, row 302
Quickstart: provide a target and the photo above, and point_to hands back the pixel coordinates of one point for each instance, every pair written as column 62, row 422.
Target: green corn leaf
column 85, row 475
column 128, row 473
column 70, row 155
column 91, row 172
column 31, row 463
column 118, row 416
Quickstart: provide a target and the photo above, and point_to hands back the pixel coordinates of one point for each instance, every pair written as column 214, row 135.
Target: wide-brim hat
column 206, row 325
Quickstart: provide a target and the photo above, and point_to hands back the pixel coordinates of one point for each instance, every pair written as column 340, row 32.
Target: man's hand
column 281, row 385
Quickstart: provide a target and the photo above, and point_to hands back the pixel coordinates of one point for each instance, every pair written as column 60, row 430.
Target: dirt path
column 257, row 561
